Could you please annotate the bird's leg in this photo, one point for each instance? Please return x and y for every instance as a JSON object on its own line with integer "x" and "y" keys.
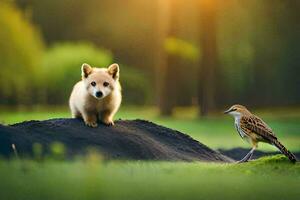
{"x": 248, "y": 156}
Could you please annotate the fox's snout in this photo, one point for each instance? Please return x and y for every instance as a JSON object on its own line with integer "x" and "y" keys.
{"x": 98, "y": 94}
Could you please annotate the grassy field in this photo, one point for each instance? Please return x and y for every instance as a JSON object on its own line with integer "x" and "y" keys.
{"x": 92, "y": 178}
{"x": 216, "y": 131}
{"x": 266, "y": 178}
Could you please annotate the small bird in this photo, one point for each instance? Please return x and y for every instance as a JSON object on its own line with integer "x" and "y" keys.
{"x": 255, "y": 130}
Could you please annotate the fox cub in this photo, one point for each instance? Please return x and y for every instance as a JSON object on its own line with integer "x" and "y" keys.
{"x": 97, "y": 96}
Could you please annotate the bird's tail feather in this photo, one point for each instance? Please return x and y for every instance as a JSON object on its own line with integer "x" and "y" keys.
{"x": 284, "y": 150}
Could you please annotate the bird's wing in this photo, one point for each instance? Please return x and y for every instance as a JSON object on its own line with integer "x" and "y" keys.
{"x": 255, "y": 124}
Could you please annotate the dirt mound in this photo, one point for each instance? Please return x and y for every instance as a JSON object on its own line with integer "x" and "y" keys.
{"x": 128, "y": 139}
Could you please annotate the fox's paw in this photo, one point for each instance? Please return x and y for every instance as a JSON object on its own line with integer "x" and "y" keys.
{"x": 91, "y": 124}
{"x": 109, "y": 122}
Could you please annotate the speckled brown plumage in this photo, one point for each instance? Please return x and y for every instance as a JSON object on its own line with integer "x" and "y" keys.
{"x": 252, "y": 127}
{"x": 255, "y": 127}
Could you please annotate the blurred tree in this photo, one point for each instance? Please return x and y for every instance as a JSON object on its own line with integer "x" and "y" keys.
{"x": 177, "y": 86}
{"x": 257, "y": 43}
{"x": 21, "y": 49}
{"x": 113, "y": 24}
{"x": 161, "y": 21}
{"x": 136, "y": 86}
{"x": 290, "y": 29}
{"x": 208, "y": 66}
{"x": 280, "y": 64}
{"x": 259, "y": 46}
{"x": 236, "y": 52}
{"x": 126, "y": 28}
{"x": 169, "y": 72}
{"x": 61, "y": 68}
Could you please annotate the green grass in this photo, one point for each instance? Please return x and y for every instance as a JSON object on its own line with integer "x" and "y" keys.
{"x": 266, "y": 178}
{"x": 91, "y": 178}
{"x": 216, "y": 131}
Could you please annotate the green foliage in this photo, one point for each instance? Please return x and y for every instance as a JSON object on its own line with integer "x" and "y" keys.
{"x": 21, "y": 49}
{"x": 135, "y": 86}
{"x": 61, "y": 68}
{"x": 258, "y": 52}
{"x": 181, "y": 48}
{"x": 257, "y": 40}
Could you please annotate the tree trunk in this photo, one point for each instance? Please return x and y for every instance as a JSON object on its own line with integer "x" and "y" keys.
{"x": 208, "y": 64}
{"x": 167, "y": 73}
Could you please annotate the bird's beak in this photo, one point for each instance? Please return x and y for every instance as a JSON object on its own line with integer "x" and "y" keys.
{"x": 227, "y": 111}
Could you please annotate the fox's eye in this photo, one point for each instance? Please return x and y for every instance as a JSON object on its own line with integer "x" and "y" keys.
{"x": 105, "y": 84}
{"x": 93, "y": 83}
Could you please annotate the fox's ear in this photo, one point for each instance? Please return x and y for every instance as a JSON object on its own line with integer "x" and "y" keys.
{"x": 114, "y": 70}
{"x": 86, "y": 70}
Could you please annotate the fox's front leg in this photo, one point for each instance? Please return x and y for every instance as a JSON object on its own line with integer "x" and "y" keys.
{"x": 107, "y": 117}
{"x": 90, "y": 119}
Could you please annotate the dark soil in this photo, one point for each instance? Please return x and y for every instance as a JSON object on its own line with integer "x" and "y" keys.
{"x": 239, "y": 153}
{"x": 128, "y": 139}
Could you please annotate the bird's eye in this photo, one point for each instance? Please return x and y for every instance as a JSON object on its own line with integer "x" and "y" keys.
{"x": 93, "y": 83}
{"x": 105, "y": 84}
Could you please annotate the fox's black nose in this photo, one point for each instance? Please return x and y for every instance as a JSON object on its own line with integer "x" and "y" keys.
{"x": 99, "y": 94}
